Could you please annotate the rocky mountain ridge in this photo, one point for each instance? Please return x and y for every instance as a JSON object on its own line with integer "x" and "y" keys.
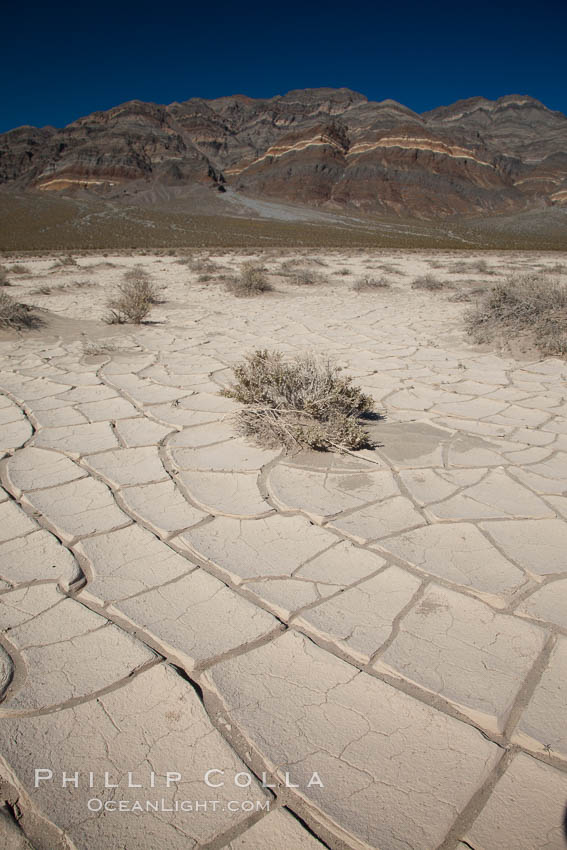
{"x": 330, "y": 148}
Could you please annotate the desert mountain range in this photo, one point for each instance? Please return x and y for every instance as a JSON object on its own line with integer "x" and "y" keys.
{"x": 329, "y": 148}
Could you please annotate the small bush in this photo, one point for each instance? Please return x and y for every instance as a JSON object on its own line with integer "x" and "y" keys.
{"x": 305, "y": 402}
{"x": 343, "y": 272}
{"x": 428, "y": 282}
{"x": 305, "y": 277}
{"x": 42, "y": 290}
{"x": 134, "y": 299}
{"x": 251, "y": 281}
{"x": 15, "y": 315}
{"x": 4, "y": 277}
{"x": 67, "y": 260}
{"x": 390, "y": 268}
{"x": 20, "y": 269}
{"x": 557, "y": 268}
{"x": 532, "y": 305}
{"x": 368, "y": 284}
{"x": 471, "y": 267}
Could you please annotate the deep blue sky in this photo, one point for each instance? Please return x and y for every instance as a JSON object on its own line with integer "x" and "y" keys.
{"x": 61, "y": 60}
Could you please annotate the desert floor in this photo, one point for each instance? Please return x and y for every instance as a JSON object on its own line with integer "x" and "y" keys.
{"x": 387, "y": 630}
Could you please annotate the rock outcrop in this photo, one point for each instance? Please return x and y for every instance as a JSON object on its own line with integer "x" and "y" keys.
{"x": 330, "y": 148}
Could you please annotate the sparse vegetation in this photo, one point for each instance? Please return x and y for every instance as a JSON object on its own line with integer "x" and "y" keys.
{"x": 63, "y": 287}
{"x": 95, "y": 348}
{"x": 16, "y": 315}
{"x": 67, "y": 260}
{"x": 251, "y": 281}
{"x": 533, "y": 306}
{"x": 472, "y": 267}
{"x": 429, "y": 282}
{"x": 143, "y": 282}
{"x": 389, "y": 268}
{"x": 134, "y": 299}
{"x": 4, "y": 277}
{"x": 18, "y": 268}
{"x": 303, "y": 402}
{"x": 343, "y": 272}
{"x": 368, "y": 284}
{"x": 306, "y": 277}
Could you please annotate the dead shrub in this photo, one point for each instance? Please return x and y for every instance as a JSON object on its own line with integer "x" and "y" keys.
{"x": 471, "y": 267}
{"x": 532, "y": 305}
{"x": 18, "y": 268}
{"x": 143, "y": 282}
{"x": 16, "y": 315}
{"x": 306, "y": 277}
{"x": 134, "y": 299}
{"x": 302, "y": 402}
{"x": 369, "y": 284}
{"x": 390, "y": 268}
{"x": 251, "y": 281}
{"x": 428, "y": 282}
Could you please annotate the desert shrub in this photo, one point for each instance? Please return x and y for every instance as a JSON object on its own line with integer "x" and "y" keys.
{"x": 16, "y": 315}
{"x": 370, "y": 283}
{"x": 42, "y": 290}
{"x": 389, "y": 268}
{"x": 143, "y": 284}
{"x": 306, "y": 277}
{"x": 80, "y": 284}
{"x": 302, "y": 402}
{"x": 471, "y": 267}
{"x": 4, "y": 277}
{"x": 252, "y": 280}
{"x": 133, "y": 300}
{"x": 18, "y": 268}
{"x": 532, "y": 305}
{"x": 429, "y": 282}
{"x": 343, "y": 272}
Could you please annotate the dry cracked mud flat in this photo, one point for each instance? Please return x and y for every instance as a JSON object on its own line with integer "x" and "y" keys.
{"x": 381, "y": 637}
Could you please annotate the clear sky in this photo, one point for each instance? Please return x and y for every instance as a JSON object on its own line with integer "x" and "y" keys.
{"x": 63, "y": 60}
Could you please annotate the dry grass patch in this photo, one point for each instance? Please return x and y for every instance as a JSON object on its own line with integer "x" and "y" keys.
{"x": 305, "y": 277}
{"x": 533, "y": 306}
{"x": 389, "y": 268}
{"x": 429, "y": 282}
{"x": 302, "y": 402}
{"x": 471, "y": 267}
{"x": 16, "y": 315}
{"x": 251, "y": 281}
{"x": 370, "y": 284}
{"x": 92, "y": 349}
